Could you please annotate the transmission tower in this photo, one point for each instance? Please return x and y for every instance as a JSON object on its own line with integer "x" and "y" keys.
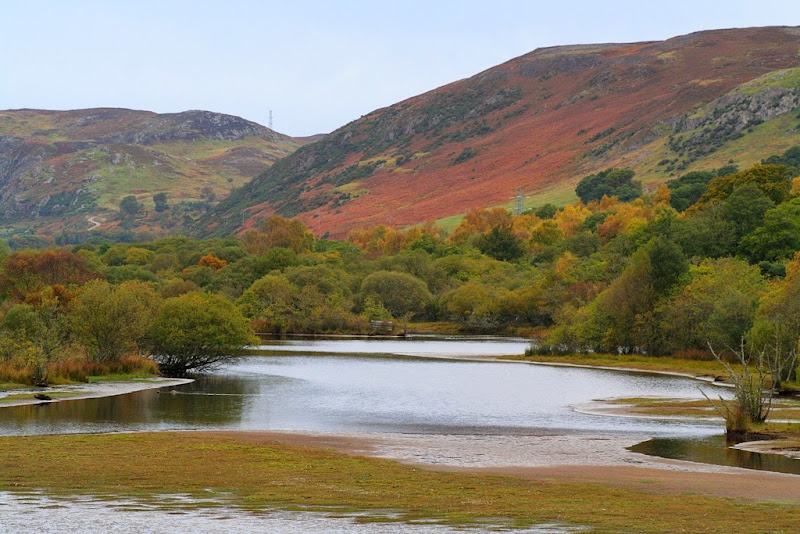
{"x": 518, "y": 207}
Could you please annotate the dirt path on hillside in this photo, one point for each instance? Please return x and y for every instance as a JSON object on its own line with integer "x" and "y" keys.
{"x": 91, "y": 220}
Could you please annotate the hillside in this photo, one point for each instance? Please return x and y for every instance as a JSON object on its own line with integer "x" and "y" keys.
{"x": 59, "y": 169}
{"x": 541, "y": 122}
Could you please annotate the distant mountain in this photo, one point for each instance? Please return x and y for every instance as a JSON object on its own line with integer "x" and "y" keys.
{"x": 58, "y": 169}
{"x": 541, "y": 122}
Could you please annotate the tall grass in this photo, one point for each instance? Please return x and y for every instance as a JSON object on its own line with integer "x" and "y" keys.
{"x": 76, "y": 369}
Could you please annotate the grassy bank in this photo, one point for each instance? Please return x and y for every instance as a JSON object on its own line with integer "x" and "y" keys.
{"x": 638, "y": 362}
{"x": 75, "y": 370}
{"x": 262, "y": 474}
{"x": 782, "y": 409}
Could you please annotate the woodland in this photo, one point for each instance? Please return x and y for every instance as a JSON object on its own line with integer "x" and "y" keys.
{"x": 706, "y": 262}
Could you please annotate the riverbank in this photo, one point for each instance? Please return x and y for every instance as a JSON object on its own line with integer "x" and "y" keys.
{"x": 93, "y": 390}
{"x": 266, "y": 470}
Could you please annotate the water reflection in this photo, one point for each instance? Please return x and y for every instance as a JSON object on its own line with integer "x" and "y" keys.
{"x": 358, "y": 393}
{"x": 716, "y": 450}
{"x": 213, "y": 400}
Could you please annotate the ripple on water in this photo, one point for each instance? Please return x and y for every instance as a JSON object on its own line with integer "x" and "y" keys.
{"x": 40, "y": 513}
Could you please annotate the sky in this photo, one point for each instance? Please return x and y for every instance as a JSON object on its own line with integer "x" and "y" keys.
{"x": 317, "y": 65}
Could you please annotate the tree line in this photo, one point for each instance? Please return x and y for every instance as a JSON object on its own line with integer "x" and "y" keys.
{"x": 704, "y": 259}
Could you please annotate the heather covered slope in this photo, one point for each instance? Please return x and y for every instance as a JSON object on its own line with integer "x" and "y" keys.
{"x": 540, "y": 122}
{"x": 58, "y": 168}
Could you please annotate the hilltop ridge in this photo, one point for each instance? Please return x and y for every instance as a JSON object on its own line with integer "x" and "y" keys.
{"x": 57, "y": 168}
{"x": 540, "y": 122}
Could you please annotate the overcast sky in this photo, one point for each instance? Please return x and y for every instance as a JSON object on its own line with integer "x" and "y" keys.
{"x": 317, "y": 65}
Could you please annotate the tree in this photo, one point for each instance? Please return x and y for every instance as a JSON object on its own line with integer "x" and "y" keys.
{"x": 717, "y": 306}
{"x": 547, "y": 211}
{"x": 130, "y": 207}
{"x": 160, "y": 201}
{"x": 778, "y": 237}
{"x": 27, "y": 273}
{"x": 39, "y": 333}
{"x": 209, "y": 260}
{"x": 774, "y": 180}
{"x": 278, "y": 231}
{"x": 400, "y": 293}
{"x": 112, "y": 320}
{"x": 745, "y": 209}
{"x": 198, "y": 331}
{"x": 688, "y": 189}
{"x": 610, "y": 182}
{"x": 777, "y": 320}
{"x": 501, "y": 244}
{"x": 271, "y": 298}
{"x": 623, "y": 317}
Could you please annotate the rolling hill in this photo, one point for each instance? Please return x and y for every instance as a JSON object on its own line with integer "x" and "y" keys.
{"x": 69, "y": 170}
{"x": 540, "y": 122}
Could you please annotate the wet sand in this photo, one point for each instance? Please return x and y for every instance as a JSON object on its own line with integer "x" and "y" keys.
{"x": 93, "y": 390}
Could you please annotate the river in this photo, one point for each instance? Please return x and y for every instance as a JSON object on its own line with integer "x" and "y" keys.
{"x": 341, "y": 386}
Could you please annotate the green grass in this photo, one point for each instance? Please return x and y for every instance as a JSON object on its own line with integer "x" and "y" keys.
{"x": 782, "y": 409}
{"x": 29, "y": 396}
{"x": 637, "y": 362}
{"x": 129, "y": 377}
{"x": 260, "y": 475}
{"x": 784, "y": 78}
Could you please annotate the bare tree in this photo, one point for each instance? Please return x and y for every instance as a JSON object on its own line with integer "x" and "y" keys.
{"x": 752, "y": 399}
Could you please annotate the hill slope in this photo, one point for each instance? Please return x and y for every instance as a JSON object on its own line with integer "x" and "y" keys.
{"x": 58, "y": 168}
{"x": 540, "y": 122}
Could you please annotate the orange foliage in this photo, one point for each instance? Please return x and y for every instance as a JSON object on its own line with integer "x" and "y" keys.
{"x": 387, "y": 240}
{"x": 209, "y": 260}
{"x": 479, "y": 221}
{"x": 29, "y": 272}
{"x": 278, "y": 231}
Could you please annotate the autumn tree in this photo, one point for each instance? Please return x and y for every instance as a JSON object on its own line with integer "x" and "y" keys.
{"x": 774, "y": 180}
{"x": 113, "y": 320}
{"x": 479, "y": 221}
{"x": 27, "y": 273}
{"x": 213, "y": 262}
{"x": 278, "y": 231}
{"x": 38, "y": 332}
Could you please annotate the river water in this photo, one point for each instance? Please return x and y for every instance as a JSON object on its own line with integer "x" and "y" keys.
{"x": 340, "y": 386}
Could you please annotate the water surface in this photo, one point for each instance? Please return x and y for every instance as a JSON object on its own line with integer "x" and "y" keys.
{"x": 353, "y": 392}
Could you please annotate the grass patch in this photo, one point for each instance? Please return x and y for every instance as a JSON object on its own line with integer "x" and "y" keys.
{"x": 637, "y": 362}
{"x": 782, "y": 409}
{"x": 123, "y": 377}
{"x": 263, "y": 474}
{"x": 29, "y": 396}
